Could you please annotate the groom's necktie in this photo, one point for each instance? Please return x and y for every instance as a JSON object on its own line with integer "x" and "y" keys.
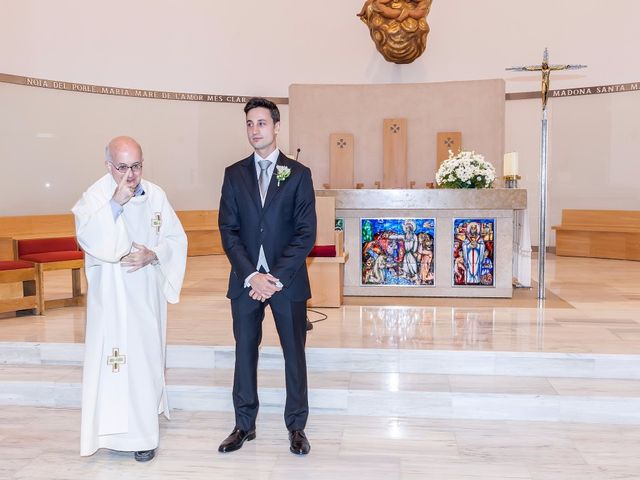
{"x": 263, "y": 179}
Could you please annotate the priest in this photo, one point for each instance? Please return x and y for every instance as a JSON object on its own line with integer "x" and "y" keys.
{"x": 135, "y": 255}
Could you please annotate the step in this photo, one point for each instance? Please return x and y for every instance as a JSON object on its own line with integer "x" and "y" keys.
{"x": 437, "y": 362}
{"x": 364, "y": 394}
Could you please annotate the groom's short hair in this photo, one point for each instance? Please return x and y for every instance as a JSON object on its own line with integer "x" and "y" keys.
{"x": 260, "y": 102}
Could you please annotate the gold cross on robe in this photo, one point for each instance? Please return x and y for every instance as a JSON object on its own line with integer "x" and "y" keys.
{"x": 156, "y": 221}
{"x": 116, "y": 359}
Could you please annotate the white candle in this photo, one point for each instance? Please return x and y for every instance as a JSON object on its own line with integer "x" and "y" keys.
{"x": 510, "y": 164}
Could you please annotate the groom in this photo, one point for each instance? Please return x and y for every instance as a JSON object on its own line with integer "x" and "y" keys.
{"x": 267, "y": 222}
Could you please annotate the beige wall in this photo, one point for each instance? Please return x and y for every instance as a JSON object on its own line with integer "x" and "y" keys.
{"x": 593, "y": 153}
{"x": 257, "y": 47}
{"x": 475, "y": 108}
{"x": 52, "y": 146}
{"x": 261, "y": 47}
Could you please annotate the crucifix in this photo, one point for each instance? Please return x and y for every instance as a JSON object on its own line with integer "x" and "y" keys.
{"x": 116, "y": 359}
{"x": 546, "y": 70}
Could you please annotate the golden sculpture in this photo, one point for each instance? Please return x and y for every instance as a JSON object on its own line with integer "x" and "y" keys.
{"x": 399, "y": 28}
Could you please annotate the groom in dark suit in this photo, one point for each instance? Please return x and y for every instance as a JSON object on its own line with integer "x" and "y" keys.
{"x": 267, "y": 222}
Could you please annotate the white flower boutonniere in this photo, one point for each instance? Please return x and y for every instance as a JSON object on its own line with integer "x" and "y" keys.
{"x": 282, "y": 173}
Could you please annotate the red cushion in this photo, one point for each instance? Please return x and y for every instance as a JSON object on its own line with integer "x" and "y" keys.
{"x": 14, "y": 264}
{"x": 323, "y": 251}
{"x": 53, "y": 256}
{"x": 43, "y": 245}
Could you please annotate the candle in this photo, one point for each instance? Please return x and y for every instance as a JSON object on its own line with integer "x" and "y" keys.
{"x": 510, "y": 164}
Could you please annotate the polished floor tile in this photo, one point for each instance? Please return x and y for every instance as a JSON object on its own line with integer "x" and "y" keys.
{"x": 551, "y": 368}
{"x": 582, "y": 314}
{"x": 43, "y": 444}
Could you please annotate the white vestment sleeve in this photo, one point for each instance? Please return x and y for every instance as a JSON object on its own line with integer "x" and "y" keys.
{"x": 98, "y": 234}
{"x": 171, "y": 251}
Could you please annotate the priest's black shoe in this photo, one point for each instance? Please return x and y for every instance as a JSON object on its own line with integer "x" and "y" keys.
{"x": 235, "y": 440}
{"x": 144, "y": 455}
{"x": 299, "y": 443}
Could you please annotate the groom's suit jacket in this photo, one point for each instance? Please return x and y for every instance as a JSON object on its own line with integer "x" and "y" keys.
{"x": 285, "y": 226}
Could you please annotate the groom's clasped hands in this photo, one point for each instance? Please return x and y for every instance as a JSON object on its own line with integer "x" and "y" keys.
{"x": 264, "y": 286}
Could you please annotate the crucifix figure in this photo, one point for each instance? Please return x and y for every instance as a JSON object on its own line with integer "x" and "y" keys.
{"x": 116, "y": 359}
{"x": 546, "y": 70}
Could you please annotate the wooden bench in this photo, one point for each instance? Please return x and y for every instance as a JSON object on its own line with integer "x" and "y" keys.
{"x": 201, "y": 227}
{"x": 599, "y": 234}
{"x": 32, "y": 226}
{"x": 28, "y": 296}
{"x": 49, "y": 254}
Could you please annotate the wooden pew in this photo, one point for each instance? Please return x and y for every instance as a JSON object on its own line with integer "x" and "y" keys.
{"x": 201, "y": 227}
{"x": 599, "y": 233}
{"x": 50, "y": 254}
{"x": 27, "y": 296}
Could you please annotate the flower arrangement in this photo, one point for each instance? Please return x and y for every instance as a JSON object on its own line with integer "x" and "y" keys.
{"x": 282, "y": 173}
{"x": 465, "y": 170}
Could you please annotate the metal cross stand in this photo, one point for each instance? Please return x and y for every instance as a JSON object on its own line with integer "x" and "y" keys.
{"x": 546, "y": 70}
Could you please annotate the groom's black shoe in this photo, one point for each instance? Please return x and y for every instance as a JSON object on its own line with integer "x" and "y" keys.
{"x": 235, "y": 440}
{"x": 144, "y": 455}
{"x": 299, "y": 443}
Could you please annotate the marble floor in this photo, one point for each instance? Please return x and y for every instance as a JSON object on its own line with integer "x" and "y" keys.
{"x": 411, "y": 388}
{"x": 39, "y": 444}
{"x": 592, "y": 306}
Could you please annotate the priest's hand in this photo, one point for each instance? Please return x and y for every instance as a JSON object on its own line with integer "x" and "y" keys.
{"x": 124, "y": 190}
{"x": 138, "y": 259}
{"x": 263, "y": 286}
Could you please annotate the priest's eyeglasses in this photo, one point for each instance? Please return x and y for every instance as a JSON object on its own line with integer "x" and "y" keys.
{"x": 122, "y": 168}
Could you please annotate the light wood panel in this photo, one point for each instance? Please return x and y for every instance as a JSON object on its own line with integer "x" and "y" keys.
{"x": 599, "y": 233}
{"x": 447, "y": 141}
{"x": 476, "y": 108}
{"x": 326, "y": 220}
{"x": 198, "y": 218}
{"x": 6, "y": 248}
{"x": 201, "y": 227}
{"x": 395, "y": 153}
{"x": 583, "y": 243}
{"x": 34, "y": 226}
{"x": 19, "y": 290}
{"x": 341, "y": 160}
{"x": 77, "y": 298}
{"x": 620, "y": 219}
{"x": 326, "y": 276}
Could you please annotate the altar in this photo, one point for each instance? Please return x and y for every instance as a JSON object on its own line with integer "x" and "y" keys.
{"x": 428, "y": 242}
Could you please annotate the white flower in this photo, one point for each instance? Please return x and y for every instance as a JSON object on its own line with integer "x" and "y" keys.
{"x": 467, "y": 170}
{"x": 282, "y": 173}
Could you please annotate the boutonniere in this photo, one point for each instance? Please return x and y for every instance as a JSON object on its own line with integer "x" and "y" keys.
{"x": 282, "y": 173}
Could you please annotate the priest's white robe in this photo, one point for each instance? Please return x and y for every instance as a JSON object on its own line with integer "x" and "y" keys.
{"x": 127, "y": 312}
